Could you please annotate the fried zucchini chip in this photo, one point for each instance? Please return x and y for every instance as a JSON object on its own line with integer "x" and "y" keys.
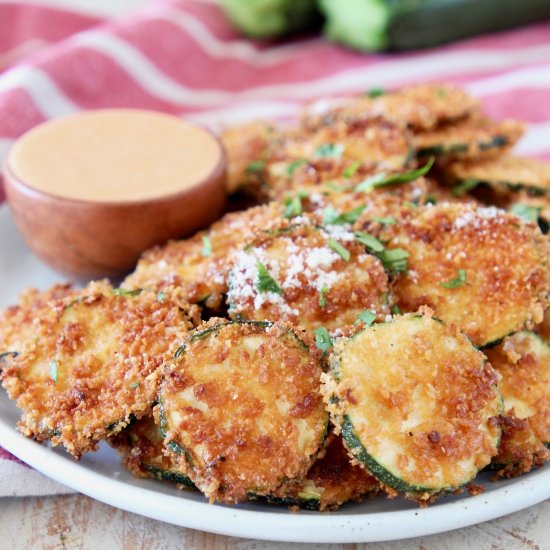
{"x": 246, "y": 146}
{"x": 332, "y": 481}
{"x": 18, "y": 323}
{"x": 512, "y": 173}
{"x": 523, "y": 361}
{"x": 142, "y": 446}
{"x": 420, "y": 107}
{"x": 94, "y": 364}
{"x": 479, "y": 268}
{"x": 241, "y": 404}
{"x": 309, "y": 276}
{"x": 472, "y": 138}
{"x": 199, "y": 265}
{"x": 416, "y": 404}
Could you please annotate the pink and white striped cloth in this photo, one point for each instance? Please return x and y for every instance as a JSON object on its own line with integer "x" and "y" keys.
{"x": 183, "y": 57}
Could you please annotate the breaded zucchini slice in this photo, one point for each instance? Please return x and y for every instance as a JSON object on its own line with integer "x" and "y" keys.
{"x": 332, "y": 481}
{"x": 479, "y": 268}
{"x": 241, "y": 403}
{"x": 309, "y": 276}
{"x": 512, "y": 173}
{"x": 471, "y": 138}
{"x": 416, "y": 404}
{"x": 142, "y": 446}
{"x": 523, "y": 361}
{"x": 18, "y": 323}
{"x": 94, "y": 364}
{"x": 423, "y": 106}
{"x": 246, "y": 146}
{"x": 199, "y": 265}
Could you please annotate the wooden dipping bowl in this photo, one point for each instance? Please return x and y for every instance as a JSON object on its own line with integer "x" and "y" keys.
{"x": 92, "y": 191}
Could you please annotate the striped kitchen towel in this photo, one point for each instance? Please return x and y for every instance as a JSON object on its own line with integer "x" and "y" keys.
{"x": 182, "y": 57}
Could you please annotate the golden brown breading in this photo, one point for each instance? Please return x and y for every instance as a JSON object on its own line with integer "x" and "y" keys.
{"x": 18, "y": 322}
{"x": 308, "y": 276}
{"x": 543, "y": 329}
{"x": 332, "y": 481}
{"x": 199, "y": 265}
{"x": 144, "y": 453}
{"x": 93, "y": 364}
{"x": 523, "y": 361}
{"x": 480, "y": 268}
{"x": 242, "y": 402}
{"x": 472, "y": 138}
{"x": 245, "y": 145}
{"x": 416, "y": 403}
{"x": 422, "y": 106}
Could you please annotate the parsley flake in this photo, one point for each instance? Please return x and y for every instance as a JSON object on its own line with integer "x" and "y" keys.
{"x": 385, "y": 221}
{"x": 394, "y": 260}
{"x": 124, "y": 292}
{"x": 266, "y": 283}
{"x": 161, "y": 296}
{"x": 350, "y": 170}
{"x": 329, "y": 150}
{"x": 339, "y": 249}
{"x": 134, "y": 385}
{"x": 368, "y": 317}
{"x": 53, "y": 370}
{"x": 369, "y": 241}
{"x": 255, "y": 166}
{"x": 206, "y": 249}
{"x": 332, "y": 217}
{"x": 529, "y": 213}
{"x": 322, "y": 339}
{"x": 458, "y": 281}
{"x": 294, "y": 205}
{"x": 294, "y": 165}
{"x": 396, "y": 310}
{"x": 464, "y": 187}
{"x": 323, "y": 296}
{"x": 382, "y": 179}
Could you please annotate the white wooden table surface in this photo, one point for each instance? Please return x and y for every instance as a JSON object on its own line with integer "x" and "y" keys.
{"x": 78, "y": 522}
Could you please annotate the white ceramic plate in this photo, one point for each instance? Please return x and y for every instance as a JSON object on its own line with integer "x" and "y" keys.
{"x": 101, "y": 476}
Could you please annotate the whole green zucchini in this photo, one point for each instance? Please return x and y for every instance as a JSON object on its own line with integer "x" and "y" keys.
{"x": 376, "y": 25}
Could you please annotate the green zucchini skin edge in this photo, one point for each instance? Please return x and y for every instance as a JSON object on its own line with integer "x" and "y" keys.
{"x": 166, "y": 475}
{"x": 312, "y": 504}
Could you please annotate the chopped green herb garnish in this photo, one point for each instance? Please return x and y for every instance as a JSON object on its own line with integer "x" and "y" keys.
{"x": 394, "y": 260}
{"x": 368, "y": 317}
{"x": 206, "y": 249}
{"x": 134, "y": 385}
{"x": 458, "y": 281}
{"x": 375, "y": 92}
{"x": 369, "y": 241}
{"x": 385, "y": 221}
{"x": 291, "y": 168}
{"x": 53, "y": 370}
{"x": 339, "y": 249}
{"x": 410, "y": 204}
{"x": 160, "y": 296}
{"x": 294, "y": 205}
{"x": 329, "y": 150}
{"x": 323, "y": 296}
{"x": 464, "y": 187}
{"x": 323, "y": 339}
{"x": 350, "y": 170}
{"x": 529, "y": 213}
{"x": 331, "y": 216}
{"x": 396, "y": 310}
{"x": 266, "y": 283}
{"x": 124, "y": 292}
{"x": 382, "y": 179}
{"x": 335, "y": 187}
{"x": 441, "y": 92}
{"x": 179, "y": 352}
{"x": 255, "y": 167}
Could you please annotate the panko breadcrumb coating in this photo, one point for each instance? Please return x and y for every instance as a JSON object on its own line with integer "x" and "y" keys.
{"x": 93, "y": 364}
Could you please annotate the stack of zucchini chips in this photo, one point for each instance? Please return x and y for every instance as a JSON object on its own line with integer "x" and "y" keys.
{"x": 373, "y": 321}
